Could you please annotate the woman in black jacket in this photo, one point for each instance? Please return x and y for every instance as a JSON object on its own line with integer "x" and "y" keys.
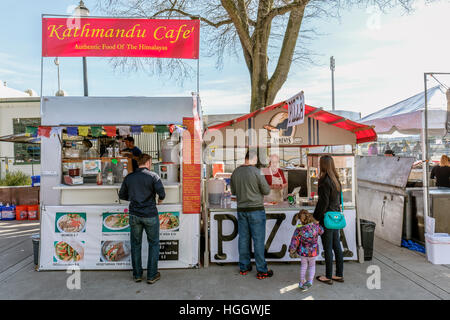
{"x": 442, "y": 173}
{"x": 329, "y": 200}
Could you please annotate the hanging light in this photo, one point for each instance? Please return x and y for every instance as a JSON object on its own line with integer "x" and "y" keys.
{"x": 81, "y": 10}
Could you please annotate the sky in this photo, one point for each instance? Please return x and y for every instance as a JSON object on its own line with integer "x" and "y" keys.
{"x": 380, "y": 60}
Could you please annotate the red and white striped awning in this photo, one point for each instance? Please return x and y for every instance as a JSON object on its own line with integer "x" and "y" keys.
{"x": 364, "y": 133}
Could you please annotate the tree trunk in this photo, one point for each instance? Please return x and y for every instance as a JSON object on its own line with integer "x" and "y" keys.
{"x": 258, "y": 99}
{"x": 264, "y": 90}
{"x": 259, "y": 74}
{"x": 281, "y": 72}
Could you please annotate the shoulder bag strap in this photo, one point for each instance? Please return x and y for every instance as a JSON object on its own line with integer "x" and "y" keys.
{"x": 342, "y": 202}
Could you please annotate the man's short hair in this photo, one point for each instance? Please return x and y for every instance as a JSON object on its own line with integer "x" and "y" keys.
{"x": 389, "y": 152}
{"x": 143, "y": 158}
{"x": 251, "y": 153}
{"x": 131, "y": 139}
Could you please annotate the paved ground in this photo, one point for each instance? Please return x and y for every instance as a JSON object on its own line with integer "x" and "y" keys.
{"x": 404, "y": 275}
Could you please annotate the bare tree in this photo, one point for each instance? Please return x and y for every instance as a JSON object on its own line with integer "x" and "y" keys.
{"x": 262, "y": 29}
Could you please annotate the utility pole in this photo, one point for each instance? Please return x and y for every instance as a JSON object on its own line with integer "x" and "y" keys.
{"x": 59, "y": 92}
{"x": 332, "y": 68}
{"x": 59, "y": 80}
{"x": 82, "y": 11}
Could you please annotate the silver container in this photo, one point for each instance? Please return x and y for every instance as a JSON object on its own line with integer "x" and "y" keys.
{"x": 170, "y": 151}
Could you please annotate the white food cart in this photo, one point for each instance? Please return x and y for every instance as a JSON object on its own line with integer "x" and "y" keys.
{"x": 82, "y": 221}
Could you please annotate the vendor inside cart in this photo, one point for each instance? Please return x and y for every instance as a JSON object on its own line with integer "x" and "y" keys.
{"x": 275, "y": 178}
{"x": 92, "y": 160}
{"x": 131, "y": 151}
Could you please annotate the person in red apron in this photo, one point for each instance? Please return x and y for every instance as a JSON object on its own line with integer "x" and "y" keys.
{"x": 276, "y": 180}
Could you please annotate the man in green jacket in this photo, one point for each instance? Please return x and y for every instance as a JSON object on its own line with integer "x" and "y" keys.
{"x": 250, "y": 187}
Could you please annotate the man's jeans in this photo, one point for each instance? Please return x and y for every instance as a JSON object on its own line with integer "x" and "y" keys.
{"x": 151, "y": 226}
{"x": 252, "y": 224}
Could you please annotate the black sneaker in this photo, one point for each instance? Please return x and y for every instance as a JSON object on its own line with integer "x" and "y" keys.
{"x": 154, "y": 279}
{"x": 245, "y": 272}
{"x": 137, "y": 279}
{"x": 264, "y": 275}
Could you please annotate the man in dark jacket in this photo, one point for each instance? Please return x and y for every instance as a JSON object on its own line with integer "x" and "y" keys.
{"x": 250, "y": 186}
{"x": 140, "y": 189}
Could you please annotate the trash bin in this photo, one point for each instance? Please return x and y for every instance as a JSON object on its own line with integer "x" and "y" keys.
{"x": 367, "y": 236}
{"x": 36, "y": 239}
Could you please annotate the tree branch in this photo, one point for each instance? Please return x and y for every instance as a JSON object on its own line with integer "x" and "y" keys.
{"x": 212, "y": 24}
{"x": 285, "y": 9}
{"x": 287, "y": 52}
{"x": 265, "y": 6}
{"x": 240, "y": 25}
{"x": 242, "y": 9}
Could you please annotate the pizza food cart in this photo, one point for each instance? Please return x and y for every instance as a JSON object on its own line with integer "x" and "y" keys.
{"x": 299, "y": 148}
{"x": 84, "y": 223}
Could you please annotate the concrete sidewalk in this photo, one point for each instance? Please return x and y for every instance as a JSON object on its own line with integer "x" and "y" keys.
{"x": 404, "y": 275}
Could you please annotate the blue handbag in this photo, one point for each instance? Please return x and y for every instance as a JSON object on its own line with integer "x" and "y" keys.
{"x": 335, "y": 219}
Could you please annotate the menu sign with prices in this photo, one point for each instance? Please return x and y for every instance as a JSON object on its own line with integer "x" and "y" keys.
{"x": 192, "y": 170}
{"x": 168, "y": 250}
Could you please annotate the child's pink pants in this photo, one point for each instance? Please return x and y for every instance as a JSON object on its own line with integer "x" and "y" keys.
{"x": 307, "y": 264}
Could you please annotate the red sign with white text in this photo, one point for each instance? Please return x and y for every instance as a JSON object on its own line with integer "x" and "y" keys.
{"x": 107, "y": 37}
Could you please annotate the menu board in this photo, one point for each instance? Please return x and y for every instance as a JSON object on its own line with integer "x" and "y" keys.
{"x": 98, "y": 237}
{"x": 168, "y": 250}
{"x": 192, "y": 168}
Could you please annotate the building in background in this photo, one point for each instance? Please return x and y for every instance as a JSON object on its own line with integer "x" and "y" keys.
{"x": 18, "y": 109}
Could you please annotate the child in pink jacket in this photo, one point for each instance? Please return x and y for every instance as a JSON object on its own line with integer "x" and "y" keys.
{"x": 304, "y": 243}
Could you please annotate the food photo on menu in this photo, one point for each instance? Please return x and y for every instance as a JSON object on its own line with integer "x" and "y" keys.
{"x": 116, "y": 222}
{"x": 70, "y": 222}
{"x": 169, "y": 221}
{"x": 115, "y": 251}
{"x": 91, "y": 167}
{"x": 70, "y": 251}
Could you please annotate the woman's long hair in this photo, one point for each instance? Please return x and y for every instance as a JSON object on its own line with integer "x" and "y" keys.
{"x": 327, "y": 168}
{"x": 444, "y": 161}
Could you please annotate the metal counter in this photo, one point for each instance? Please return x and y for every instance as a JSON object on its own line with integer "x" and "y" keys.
{"x": 276, "y": 207}
{"x": 282, "y": 206}
{"x": 440, "y": 209}
{"x": 93, "y": 194}
{"x": 413, "y": 227}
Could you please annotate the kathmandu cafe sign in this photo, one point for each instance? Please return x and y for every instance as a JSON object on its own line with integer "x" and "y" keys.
{"x": 107, "y": 37}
